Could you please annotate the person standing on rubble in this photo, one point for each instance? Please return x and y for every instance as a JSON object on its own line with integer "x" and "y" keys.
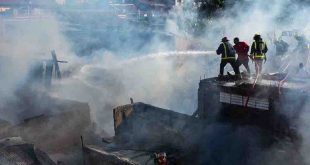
{"x": 258, "y": 53}
{"x": 228, "y": 56}
{"x": 242, "y": 50}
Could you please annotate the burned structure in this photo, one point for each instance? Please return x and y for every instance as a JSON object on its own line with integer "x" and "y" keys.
{"x": 51, "y": 123}
{"x": 235, "y": 113}
{"x": 273, "y": 104}
{"x": 260, "y": 102}
{"x": 16, "y": 151}
{"x": 42, "y": 71}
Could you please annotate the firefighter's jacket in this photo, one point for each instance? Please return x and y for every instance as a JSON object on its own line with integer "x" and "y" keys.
{"x": 259, "y": 50}
{"x": 226, "y": 50}
{"x": 242, "y": 50}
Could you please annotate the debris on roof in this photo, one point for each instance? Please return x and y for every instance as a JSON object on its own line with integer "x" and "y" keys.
{"x": 14, "y": 150}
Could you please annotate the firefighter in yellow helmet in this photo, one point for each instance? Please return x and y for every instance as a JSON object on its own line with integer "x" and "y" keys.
{"x": 258, "y": 53}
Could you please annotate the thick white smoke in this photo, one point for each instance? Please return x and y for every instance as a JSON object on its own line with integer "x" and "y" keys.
{"x": 167, "y": 81}
{"x": 25, "y": 42}
{"x": 163, "y": 77}
{"x": 106, "y": 79}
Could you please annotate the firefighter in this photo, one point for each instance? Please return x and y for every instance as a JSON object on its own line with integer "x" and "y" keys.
{"x": 242, "y": 50}
{"x": 258, "y": 53}
{"x": 228, "y": 56}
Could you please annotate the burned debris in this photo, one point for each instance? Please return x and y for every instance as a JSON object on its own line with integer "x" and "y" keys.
{"x": 16, "y": 151}
{"x": 263, "y": 112}
{"x": 239, "y": 119}
{"x": 238, "y": 113}
{"x": 53, "y": 124}
{"x": 94, "y": 155}
{"x": 271, "y": 103}
{"x": 43, "y": 71}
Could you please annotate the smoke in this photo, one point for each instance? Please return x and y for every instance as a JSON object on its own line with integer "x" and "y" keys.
{"x": 166, "y": 81}
{"x": 25, "y": 43}
{"x": 172, "y": 82}
{"x": 246, "y": 18}
{"x": 111, "y": 61}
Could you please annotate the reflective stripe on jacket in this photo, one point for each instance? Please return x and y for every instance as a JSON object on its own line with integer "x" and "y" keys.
{"x": 226, "y": 50}
{"x": 259, "y": 49}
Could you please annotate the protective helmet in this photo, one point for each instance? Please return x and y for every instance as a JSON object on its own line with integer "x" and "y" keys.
{"x": 257, "y": 37}
{"x": 224, "y": 39}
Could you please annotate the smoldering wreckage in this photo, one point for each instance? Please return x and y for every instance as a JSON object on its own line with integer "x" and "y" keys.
{"x": 232, "y": 115}
{"x": 237, "y": 121}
